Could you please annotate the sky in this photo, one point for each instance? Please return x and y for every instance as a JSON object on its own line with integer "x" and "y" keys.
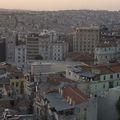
{"x": 60, "y": 4}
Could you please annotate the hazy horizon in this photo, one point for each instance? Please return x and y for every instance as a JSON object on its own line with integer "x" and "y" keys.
{"x": 54, "y": 5}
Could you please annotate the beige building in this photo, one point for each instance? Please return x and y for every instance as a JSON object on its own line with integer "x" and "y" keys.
{"x": 85, "y": 39}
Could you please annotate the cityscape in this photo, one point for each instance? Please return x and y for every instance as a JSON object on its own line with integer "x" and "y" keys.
{"x": 59, "y": 64}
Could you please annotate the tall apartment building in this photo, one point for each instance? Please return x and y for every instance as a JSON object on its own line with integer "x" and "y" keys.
{"x": 10, "y": 46}
{"x": 32, "y": 46}
{"x": 85, "y": 39}
{"x": 20, "y": 54}
{"x": 2, "y": 49}
{"x": 46, "y": 45}
{"x": 51, "y": 47}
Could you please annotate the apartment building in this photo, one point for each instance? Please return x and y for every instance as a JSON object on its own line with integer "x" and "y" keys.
{"x": 44, "y": 46}
{"x": 32, "y": 46}
{"x": 106, "y": 52}
{"x": 59, "y": 51}
{"x": 2, "y": 49}
{"x": 10, "y": 46}
{"x": 97, "y": 79}
{"x": 67, "y": 103}
{"x": 85, "y": 39}
{"x": 20, "y": 54}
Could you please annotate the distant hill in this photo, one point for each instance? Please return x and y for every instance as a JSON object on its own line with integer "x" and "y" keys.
{"x": 64, "y": 20}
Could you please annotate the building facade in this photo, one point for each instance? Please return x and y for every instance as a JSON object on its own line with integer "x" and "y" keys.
{"x": 85, "y": 39}
{"x": 10, "y": 46}
{"x": 20, "y": 54}
{"x": 107, "y": 52}
{"x": 2, "y": 49}
{"x": 59, "y": 51}
{"x": 63, "y": 104}
{"x": 95, "y": 80}
{"x": 32, "y": 49}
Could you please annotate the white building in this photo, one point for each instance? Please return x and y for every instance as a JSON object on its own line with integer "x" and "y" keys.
{"x": 46, "y": 46}
{"x": 95, "y": 80}
{"x": 59, "y": 51}
{"x": 20, "y": 54}
{"x": 50, "y": 48}
{"x": 106, "y": 52}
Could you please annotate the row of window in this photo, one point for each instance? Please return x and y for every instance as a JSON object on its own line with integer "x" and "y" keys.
{"x": 111, "y": 85}
{"x": 16, "y": 84}
{"x": 111, "y": 76}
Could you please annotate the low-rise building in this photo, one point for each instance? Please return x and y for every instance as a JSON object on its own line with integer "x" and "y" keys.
{"x": 107, "y": 52}
{"x": 66, "y": 103}
{"x": 17, "y": 82}
{"x": 95, "y": 80}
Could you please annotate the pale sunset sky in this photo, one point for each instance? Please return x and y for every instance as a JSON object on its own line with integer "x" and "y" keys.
{"x": 60, "y": 4}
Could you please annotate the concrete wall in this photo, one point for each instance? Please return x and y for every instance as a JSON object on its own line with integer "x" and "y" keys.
{"x": 106, "y": 105}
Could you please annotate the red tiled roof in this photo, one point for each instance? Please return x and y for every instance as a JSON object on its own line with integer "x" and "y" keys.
{"x": 75, "y": 94}
{"x": 108, "y": 68}
{"x": 81, "y": 56}
{"x": 116, "y": 68}
{"x": 57, "y": 79}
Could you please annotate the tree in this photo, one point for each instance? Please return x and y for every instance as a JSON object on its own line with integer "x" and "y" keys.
{"x": 118, "y": 107}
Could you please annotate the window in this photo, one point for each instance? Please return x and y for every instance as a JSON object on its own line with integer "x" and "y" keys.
{"x": 78, "y": 110}
{"x": 117, "y": 84}
{"x": 117, "y": 75}
{"x": 111, "y": 76}
{"x": 37, "y": 110}
{"x": 22, "y": 84}
{"x": 104, "y": 77}
{"x": 111, "y": 85}
{"x": 16, "y": 84}
{"x": 103, "y": 85}
{"x": 12, "y": 83}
